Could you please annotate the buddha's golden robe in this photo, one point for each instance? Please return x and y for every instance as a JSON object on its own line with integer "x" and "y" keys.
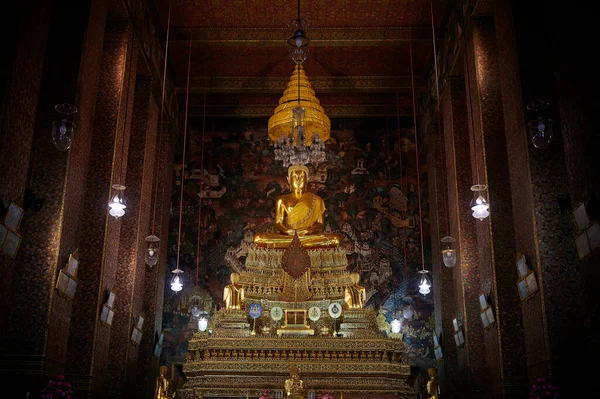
{"x": 302, "y": 217}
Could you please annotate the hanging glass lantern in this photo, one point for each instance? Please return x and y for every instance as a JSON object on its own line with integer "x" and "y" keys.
{"x": 117, "y": 203}
{"x": 407, "y": 312}
{"x": 203, "y": 318}
{"x": 539, "y": 128}
{"x": 424, "y": 284}
{"x": 176, "y": 281}
{"x": 195, "y": 304}
{"x": 151, "y": 254}
{"x": 396, "y": 326}
{"x": 479, "y": 205}
{"x": 62, "y": 129}
{"x": 448, "y": 253}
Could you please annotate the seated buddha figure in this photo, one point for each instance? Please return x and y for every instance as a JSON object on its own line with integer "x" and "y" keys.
{"x": 299, "y": 212}
{"x": 355, "y": 295}
{"x": 294, "y": 386}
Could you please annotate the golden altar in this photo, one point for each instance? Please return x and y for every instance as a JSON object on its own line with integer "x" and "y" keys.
{"x": 307, "y": 313}
{"x": 228, "y": 360}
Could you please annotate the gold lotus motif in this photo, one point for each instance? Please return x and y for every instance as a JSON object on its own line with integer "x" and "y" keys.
{"x": 315, "y": 120}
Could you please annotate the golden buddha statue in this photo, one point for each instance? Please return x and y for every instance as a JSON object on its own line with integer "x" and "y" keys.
{"x": 433, "y": 387}
{"x": 355, "y": 295}
{"x": 233, "y": 295}
{"x": 301, "y": 213}
{"x": 163, "y": 385}
{"x": 294, "y": 386}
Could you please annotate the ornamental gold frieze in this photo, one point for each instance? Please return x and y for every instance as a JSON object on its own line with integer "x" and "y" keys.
{"x": 284, "y": 342}
{"x": 389, "y": 385}
{"x": 241, "y": 392}
{"x": 220, "y": 355}
{"x": 276, "y": 366}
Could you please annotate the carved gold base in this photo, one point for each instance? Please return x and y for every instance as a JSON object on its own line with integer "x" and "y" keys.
{"x": 222, "y": 366}
{"x": 358, "y": 323}
{"x": 232, "y": 320}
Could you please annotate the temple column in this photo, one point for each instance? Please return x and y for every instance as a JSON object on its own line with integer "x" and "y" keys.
{"x": 539, "y": 188}
{"x": 154, "y": 279}
{"x": 37, "y": 318}
{"x": 123, "y": 352}
{"x": 99, "y": 244}
{"x": 25, "y": 37}
{"x": 504, "y": 341}
{"x": 443, "y": 284}
{"x": 472, "y": 381}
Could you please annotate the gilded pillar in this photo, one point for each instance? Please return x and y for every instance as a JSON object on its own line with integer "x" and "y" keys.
{"x": 443, "y": 285}
{"x": 128, "y": 287}
{"x": 472, "y": 378}
{"x": 504, "y": 341}
{"x": 37, "y": 331}
{"x": 154, "y": 279}
{"x": 100, "y": 232}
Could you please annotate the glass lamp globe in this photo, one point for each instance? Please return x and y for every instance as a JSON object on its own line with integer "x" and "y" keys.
{"x": 203, "y": 319}
{"x": 176, "y": 282}
{"x": 195, "y": 305}
{"x": 396, "y": 326}
{"x": 479, "y": 205}
{"x": 539, "y": 128}
{"x": 424, "y": 285}
{"x": 151, "y": 255}
{"x": 448, "y": 253}
{"x": 407, "y": 312}
{"x": 62, "y": 129}
{"x": 117, "y": 203}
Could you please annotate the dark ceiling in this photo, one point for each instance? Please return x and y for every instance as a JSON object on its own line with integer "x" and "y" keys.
{"x": 359, "y": 54}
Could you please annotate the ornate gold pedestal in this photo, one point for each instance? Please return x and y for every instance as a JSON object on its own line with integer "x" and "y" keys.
{"x": 232, "y": 320}
{"x": 231, "y": 362}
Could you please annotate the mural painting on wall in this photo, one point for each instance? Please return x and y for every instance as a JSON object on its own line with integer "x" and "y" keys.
{"x": 361, "y": 187}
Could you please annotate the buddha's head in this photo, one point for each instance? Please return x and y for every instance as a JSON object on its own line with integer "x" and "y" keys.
{"x": 163, "y": 371}
{"x": 355, "y": 277}
{"x": 234, "y": 277}
{"x": 431, "y": 372}
{"x": 297, "y": 177}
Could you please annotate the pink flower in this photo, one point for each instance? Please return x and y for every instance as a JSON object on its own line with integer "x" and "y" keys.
{"x": 61, "y": 377}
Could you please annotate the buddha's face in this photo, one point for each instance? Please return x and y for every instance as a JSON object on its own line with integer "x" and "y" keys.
{"x": 234, "y": 277}
{"x": 297, "y": 180}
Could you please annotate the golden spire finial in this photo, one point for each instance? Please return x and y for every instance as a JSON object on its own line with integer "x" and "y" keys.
{"x": 315, "y": 120}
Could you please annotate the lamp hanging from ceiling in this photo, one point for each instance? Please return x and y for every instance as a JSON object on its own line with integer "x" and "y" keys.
{"x": 63, "y": 128}
{"x": 176, "y": 282}
{"x": 117, "y": 202}
{"x": 479, "y": 204}
{"x": 299, "y": 39}
{"x": 299, "y": 127}
{"x": 153, "y": 249}
{"x": 539, "y": 127}
{"x": 201, "y": 314}
{"x": 448, "y": 251}
{"x": 424, "y": 284}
